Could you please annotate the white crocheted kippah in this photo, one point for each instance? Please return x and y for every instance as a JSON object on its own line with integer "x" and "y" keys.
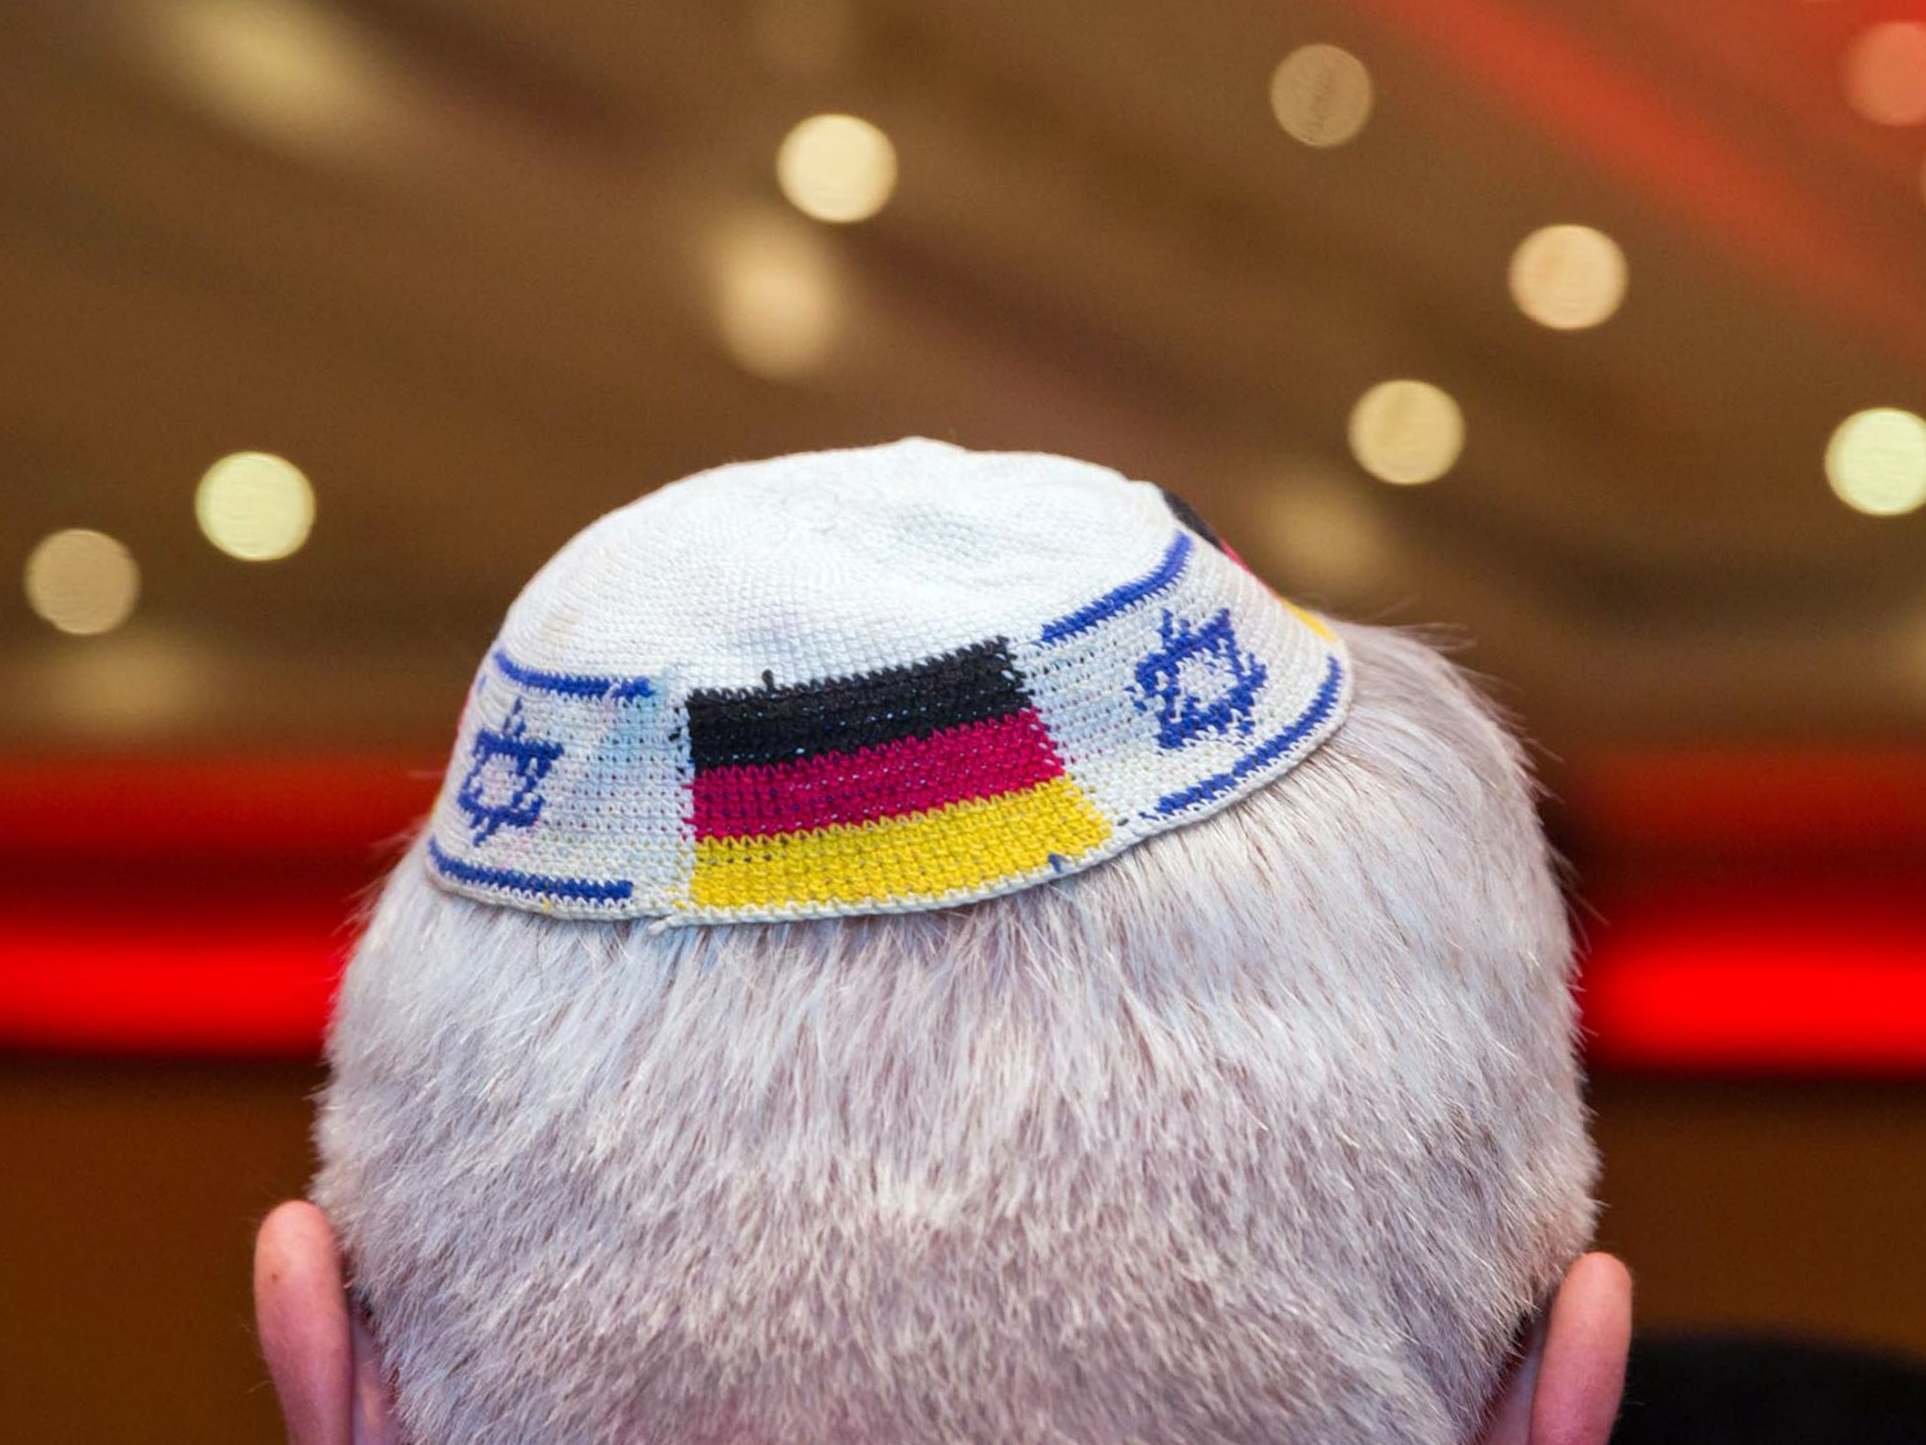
{"x": 867, "y": 681}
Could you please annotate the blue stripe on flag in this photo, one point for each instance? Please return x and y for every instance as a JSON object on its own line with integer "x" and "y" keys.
{"x": 571, "y": 684}
{"x": 1111, "y": 603}
{"x": 587, "y": 890}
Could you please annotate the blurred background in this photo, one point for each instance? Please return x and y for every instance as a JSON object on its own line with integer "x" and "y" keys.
{"x": 1594, "y": 333}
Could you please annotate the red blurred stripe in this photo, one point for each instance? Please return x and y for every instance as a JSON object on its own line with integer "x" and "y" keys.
{"x": 188, "y": 905}
{"x": 1783, "y": 799}
{"x": 205, "y": 907}
{"x": 1764, "y": 979}
{"x": 305, "y": 807}
{"x": 80, "y": 986}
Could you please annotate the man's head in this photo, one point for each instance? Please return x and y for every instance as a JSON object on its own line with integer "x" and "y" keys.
{"x": 1261, "y": 1125}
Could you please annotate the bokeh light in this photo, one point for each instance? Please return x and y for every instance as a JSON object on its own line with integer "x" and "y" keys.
{"x": 778, "y": 297}
{"x": 836, "y": 168}
{"x": 1326, "y": 540}
{"x": 1321, "y": 95}
{"x": 143, "y": 683}
{"x": 1568, "y": 277}
{"x": 1876, "y": 461}
{"x": 294, "y": 71}
{"x": 1406, "y": 432}
{"x": 82, "y": 581}
{"x": 1885, "y": 73}
{"x": 255, "y": 506}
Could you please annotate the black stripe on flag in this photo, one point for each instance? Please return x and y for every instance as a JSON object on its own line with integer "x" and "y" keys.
{"x": 735, "y": 727}
{"x": 1191, "y": 518}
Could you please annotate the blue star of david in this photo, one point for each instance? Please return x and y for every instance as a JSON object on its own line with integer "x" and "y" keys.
{"x": 1200, "y": 681}
{"x": 503, "y": 785}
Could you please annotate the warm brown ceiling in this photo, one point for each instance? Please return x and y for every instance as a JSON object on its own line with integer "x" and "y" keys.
{"x": 478, "y": 311}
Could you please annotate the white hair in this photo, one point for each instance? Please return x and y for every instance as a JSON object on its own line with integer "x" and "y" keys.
{"x": 1267, "y": 1130}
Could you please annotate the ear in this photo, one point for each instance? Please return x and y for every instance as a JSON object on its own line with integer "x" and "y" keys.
{"x": 326, "y": 1368}
{"x": 1565, "y": 1391}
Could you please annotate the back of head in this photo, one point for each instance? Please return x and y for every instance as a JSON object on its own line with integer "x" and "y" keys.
{"x": 1266, "y": 1128}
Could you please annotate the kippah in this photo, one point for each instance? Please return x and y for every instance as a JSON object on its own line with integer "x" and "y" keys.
{"x": 870, "y": 681}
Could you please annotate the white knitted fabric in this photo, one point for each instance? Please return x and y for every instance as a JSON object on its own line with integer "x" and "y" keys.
{"x": 863, "y": 681}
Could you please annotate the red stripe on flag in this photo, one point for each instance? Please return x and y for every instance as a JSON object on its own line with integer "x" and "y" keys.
{"x": 912, "y": 775}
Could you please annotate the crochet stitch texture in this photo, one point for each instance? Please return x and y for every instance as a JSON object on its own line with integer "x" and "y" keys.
{"x": 864, "y": 681}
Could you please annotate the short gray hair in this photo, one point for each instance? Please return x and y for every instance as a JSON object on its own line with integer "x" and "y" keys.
{"x": 1268, "y": 1130}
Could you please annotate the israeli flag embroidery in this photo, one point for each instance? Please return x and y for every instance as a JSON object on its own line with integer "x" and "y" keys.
{"x": 1198, "y": 680}
{"x": 545, "y": 807}
{"x": 1187, "y": 684}
{"x": 502, "y": 787}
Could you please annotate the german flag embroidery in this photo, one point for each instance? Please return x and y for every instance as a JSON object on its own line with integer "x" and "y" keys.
{"x": 907, "y": 783}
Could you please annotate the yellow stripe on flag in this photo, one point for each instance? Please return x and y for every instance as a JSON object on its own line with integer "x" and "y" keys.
{"x": 958, "y": 848}
{"x": 1309, "y": 618}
